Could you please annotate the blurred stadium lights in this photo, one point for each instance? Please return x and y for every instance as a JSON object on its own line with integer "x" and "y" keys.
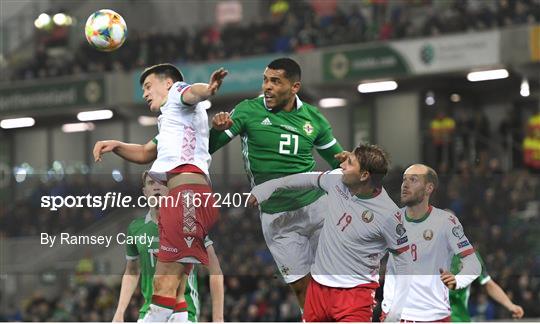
{"x": 78, "y": 127}
{"x": 206, "y": 104}
{"x": 378, "y": 86}
{"x": 332, "y": 102}
{"x": 454, "y": 97}
{"x": 430, "y": 98}
{"x": 17, "y": 122}
{"x": 487, "y": 75}
{"x": 524, "y": 90}
{"x": 95, "y": 115}
{"x": 20, "y": 174}
{"x": 43, "y": 21}
{"x": 61, "y": 19}
{"x": 147, "y": 120}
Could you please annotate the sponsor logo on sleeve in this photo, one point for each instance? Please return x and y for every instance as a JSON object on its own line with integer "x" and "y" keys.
{"x": 463, "y": 244}
{"x": 182, "y": 86}
{"x": 402, "y": 240}
{"x": 458, "y": 231}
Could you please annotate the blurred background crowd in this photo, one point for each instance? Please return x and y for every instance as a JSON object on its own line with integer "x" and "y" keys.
{"x": 288, "y": 27}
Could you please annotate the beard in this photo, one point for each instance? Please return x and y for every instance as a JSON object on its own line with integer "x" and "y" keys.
{"x": 414, "y": 200}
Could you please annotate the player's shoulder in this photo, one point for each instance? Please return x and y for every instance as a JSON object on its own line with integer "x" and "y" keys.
{"x": 386, "y": 207}
{"x": 250, "y": 104}
{"x": 445, "y": 216}
{"x": 312, "y": 110}
{"x": 136, "y": 223}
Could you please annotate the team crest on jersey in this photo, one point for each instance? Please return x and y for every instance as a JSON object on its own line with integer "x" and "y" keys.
{"x": 400, "y": 229}
{"x": 458, "y": 231}
{"x": 308, "y": 128}
{"x": 367, "y": 216}
{"x": 428, "y": 235}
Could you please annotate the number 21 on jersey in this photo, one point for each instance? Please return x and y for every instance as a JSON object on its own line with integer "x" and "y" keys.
{"x": 286, "y": 142}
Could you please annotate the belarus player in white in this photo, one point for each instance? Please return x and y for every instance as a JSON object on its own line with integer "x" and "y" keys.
{"x": 182, "y": 160}
{"x": 362, "y": 222}
{"x": 435, "y": 236}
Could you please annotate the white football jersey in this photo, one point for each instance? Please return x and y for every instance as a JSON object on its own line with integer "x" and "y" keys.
{"x": 183, "y": 135}
{"x": 434, "y": 239}
{"x": 357, "y": 232}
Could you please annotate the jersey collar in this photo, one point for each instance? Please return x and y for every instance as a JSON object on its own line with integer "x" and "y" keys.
{"x": 299, "y": 103}
{"x": 421, "y": 219}
{"x": 148, "y": 217}
{"x": 374, "y": 194}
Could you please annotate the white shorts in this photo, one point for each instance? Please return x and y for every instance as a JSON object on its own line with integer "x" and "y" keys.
{"x": 292, "y": 238}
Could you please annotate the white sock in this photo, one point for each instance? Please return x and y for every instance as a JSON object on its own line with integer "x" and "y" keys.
{"x": 179, "y": 317}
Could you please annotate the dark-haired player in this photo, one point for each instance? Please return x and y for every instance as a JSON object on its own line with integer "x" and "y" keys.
{"x": 181, "y": 160}
{"x": 361, "y": 223}
{"x": 279, "y": 132}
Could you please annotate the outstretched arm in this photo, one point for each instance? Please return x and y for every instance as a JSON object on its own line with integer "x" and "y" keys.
{"x": 219, "y": 133}
{"x": 129, "y": 283}
{"x": 201, "y": 91}
{"x": 136, "y": 153}
{"x": 495, "y": 291}
{"x": 262, "y": 192}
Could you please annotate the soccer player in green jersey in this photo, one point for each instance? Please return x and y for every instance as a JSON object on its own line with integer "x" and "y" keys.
{"x": 141, "y": 262}
{"x": 459, "y": 298}
{"x": 279, "y": 132}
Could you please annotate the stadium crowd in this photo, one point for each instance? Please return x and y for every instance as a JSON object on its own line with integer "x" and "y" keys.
{"x": 498, "y": 210}
{"x": 290, "y": 26}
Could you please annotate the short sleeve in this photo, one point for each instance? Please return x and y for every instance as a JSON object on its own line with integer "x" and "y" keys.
{"x": 131, "y": 249}
{"x": 327, "y": 180}
{"x": 458, "y": 242}
{"x": 325, "y": 139}
{"x": 176, "y": 94}
{"x": 239, "y": 116}
{"x": 484, "y": 275}
{"x": 395, "y": 234}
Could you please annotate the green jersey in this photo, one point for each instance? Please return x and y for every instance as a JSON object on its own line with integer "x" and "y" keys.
{"x": 146, "y": 254}
{"x": 459, "y": 299}
{"x": 276, "y": 144}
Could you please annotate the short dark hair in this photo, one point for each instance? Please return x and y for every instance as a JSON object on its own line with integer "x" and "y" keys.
{"x": 163, "y": 70}
{"x": 291, "y": 68}
{"x": 373, "y": 158}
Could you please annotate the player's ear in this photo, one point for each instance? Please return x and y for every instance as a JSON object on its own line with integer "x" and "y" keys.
{"x": 430, "y": 188}
{"x": 296, "y": 87}
{"x": 364, "y": 175}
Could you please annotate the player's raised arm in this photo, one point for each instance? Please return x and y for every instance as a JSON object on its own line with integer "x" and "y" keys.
{"x": 136, "y": 153}
{"x": 225, "y": 126}
{"x": 129, "y": 284}
{"x": 201, "y": 91}
{"x": 262, "y": 192}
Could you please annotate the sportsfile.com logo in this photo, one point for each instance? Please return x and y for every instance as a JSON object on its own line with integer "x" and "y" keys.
{"x": 119, "y": 200}
{"x": 109, "y": 200}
